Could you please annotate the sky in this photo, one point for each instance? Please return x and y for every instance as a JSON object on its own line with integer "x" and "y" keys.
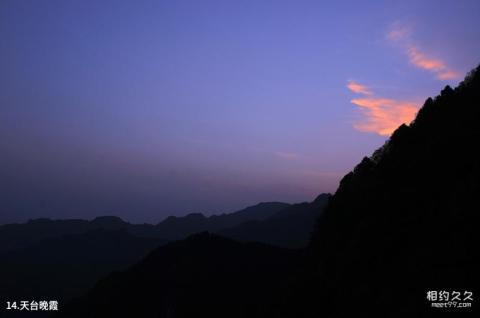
{"x": 144, "y": 109}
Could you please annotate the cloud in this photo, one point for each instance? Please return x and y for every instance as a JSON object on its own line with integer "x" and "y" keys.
{"x": 358, "y": 88}
{"x": 420, "y": 60}
{"x": 287, "y": 155}
{"x": 400, "y": 34}
{"x": 448, "y": 75}
{"x": 382, "y": 115}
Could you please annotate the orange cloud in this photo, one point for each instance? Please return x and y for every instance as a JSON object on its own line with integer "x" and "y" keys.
{"x": 448, "y": 75}
{"x": 381, "y": 115}
{"x": 401, "y": 35}
{"x": 419, "y": 59}
{"x": 358, "y": 88}
{"x": 436, "y": 66}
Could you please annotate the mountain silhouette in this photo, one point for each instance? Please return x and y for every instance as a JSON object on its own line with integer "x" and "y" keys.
{"x": 179, "y": 227}
{"x": 403, "y": 222}
{"x": 62, "y": 259}
{"x": 290, "y": 227}
{"x": 204, "y": 276}
{"x": 14, "y": 236}
{"x": 60, "y": 268}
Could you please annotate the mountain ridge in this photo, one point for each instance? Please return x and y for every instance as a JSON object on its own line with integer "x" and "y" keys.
{"x": 405, "y": 219}
{"x": 19, "y": 235}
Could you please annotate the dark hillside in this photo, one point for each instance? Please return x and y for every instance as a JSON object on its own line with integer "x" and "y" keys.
{"x": 406, "y": 220}
{"x": 202, "y": 276}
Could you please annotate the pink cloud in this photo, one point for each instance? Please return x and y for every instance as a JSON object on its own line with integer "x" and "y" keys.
{"x": 400, "y": 34}
{"x": 448, "y": 75}
{"x": 420, "y": 60}
{"x": 358, "y": 88}
{"x": 382, "y": 115}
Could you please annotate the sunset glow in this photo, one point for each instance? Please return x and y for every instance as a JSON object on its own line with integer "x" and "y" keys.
{"x": 382, "y": 115}
{"x": 146, "y": 109}
{"x": 402, "y": 35}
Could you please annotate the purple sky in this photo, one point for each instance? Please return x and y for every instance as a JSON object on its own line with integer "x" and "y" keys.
{"x": 145, "y": 109}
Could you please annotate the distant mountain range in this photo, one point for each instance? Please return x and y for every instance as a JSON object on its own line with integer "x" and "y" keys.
{"x": 64, "y": 258}
{"x": 174, "y": 227}
{"x": 290, "y": 227}
{"x": 62, "y": 267}
{"x": 236, "y": 224}
{"x": 402, "y": 224}
{"x": 14, "y": 236}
